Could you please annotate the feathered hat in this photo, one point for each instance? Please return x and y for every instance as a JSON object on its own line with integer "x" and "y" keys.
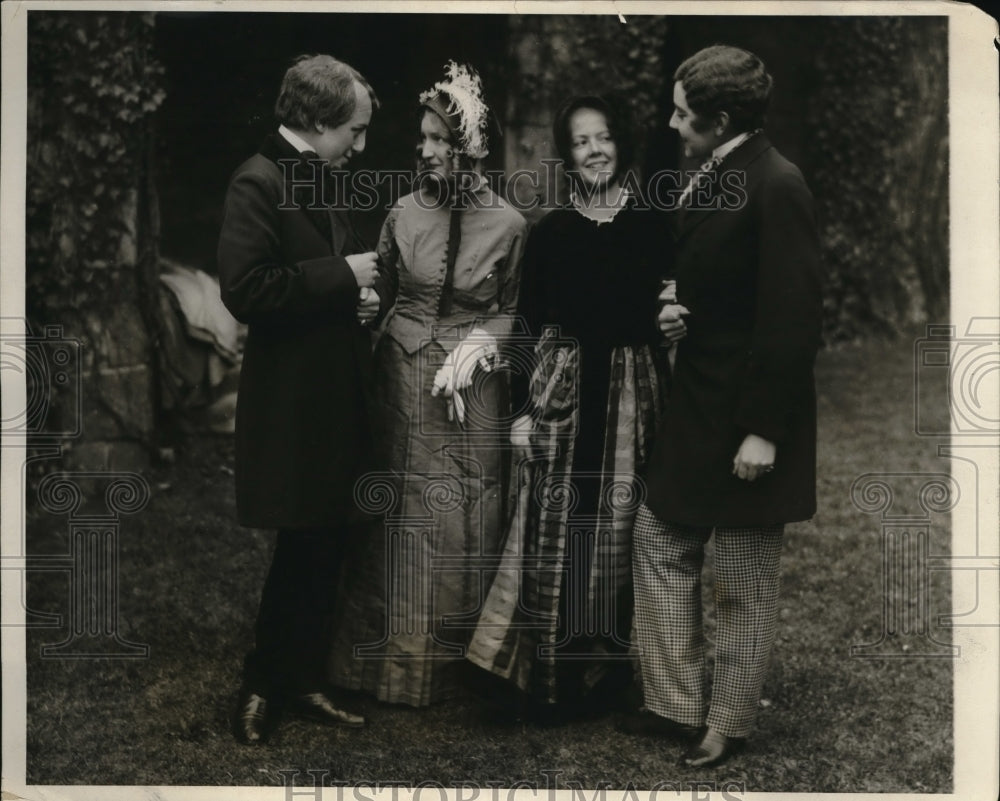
{"x": 458, "y": 100}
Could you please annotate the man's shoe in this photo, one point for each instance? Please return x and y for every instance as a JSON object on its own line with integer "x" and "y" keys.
{"x": 647, "y": 723}
{"x": 254, "y": 718}
{"x": 319, "y": 707}
{"x": 713, "y": 749}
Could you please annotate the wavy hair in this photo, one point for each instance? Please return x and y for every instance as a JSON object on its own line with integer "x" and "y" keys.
{"x": 730, "y": 79}
{"x": 319, "y": 89}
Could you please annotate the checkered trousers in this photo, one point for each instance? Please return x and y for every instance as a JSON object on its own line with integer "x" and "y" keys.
{"x": 666, "y": 564}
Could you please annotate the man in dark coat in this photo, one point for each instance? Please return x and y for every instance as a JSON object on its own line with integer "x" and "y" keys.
{"x": 736, "y": 451}
{"x": 292, "y": 267}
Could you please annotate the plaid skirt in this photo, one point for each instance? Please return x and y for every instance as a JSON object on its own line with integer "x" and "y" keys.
{"x": 545, "y": 610}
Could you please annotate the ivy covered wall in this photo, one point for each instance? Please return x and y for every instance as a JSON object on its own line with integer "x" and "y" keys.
{"x": 878, "y": 148}
{"x": 91, "y": 254}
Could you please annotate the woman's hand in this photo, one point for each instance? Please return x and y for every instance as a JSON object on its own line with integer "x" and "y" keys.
{"x": 520, "y": 437}
{"x": 754, "y": 458}
{"x": 475, "y": 350}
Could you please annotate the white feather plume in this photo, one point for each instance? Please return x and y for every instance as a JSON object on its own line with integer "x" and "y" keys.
{"x": 464, "y": 89}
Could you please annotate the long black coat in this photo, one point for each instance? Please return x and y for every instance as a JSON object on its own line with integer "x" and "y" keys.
{"x": 302, "y": 430}
{"x": 749, "y": 273}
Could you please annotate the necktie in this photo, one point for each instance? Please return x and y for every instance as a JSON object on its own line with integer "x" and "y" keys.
{"x": 697, "y": 180}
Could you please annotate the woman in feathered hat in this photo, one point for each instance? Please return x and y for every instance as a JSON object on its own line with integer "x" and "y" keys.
{"x": 454, "y": 247}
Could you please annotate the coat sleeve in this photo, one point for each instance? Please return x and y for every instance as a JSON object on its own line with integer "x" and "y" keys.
{"x": 256, "y": 283}
{"x": 787, "y": 318}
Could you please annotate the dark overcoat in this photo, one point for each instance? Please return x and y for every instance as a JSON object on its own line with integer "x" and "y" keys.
{"x": 302, "y": 430}
{"x": 748, "y": 270}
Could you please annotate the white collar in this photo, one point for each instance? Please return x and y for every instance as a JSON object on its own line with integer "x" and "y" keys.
{"x": 726, "y": 148}
{"x": 619, "y": 204}
{"x": 295, "y": 140}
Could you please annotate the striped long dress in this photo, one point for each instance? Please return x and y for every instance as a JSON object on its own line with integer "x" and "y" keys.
{"x": 558, "y": 614}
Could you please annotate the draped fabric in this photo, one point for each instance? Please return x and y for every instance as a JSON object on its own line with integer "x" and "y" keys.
{"x": 545, "y": 609}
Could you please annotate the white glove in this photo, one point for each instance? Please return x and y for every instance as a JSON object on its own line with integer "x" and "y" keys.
{"x": 456, "y": 372}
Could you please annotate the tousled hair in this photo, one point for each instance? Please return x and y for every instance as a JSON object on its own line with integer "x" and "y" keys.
{"x": 319, "y": 89}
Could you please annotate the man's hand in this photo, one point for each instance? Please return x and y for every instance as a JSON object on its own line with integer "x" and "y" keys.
{"x": 368, "y": 305}
{"x": 754, "y": 458}
{"x": 671, "y": 322}
{"x": 670, "y": 319}
{"x": 363, "y": 265}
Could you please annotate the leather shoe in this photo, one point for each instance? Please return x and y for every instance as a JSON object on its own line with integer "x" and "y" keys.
{"x": 254, "y": 718}
{"x": 647, "y": 723}
{"x": 319, "y": 707}
{"x": 713, "y": 749}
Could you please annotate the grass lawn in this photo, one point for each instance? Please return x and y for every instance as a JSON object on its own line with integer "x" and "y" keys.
{"x": 190, "y": 581}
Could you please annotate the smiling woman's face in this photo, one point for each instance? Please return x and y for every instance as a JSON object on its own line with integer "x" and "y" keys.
{"x": 595, "y": 155}
{"x": 435, "y": 151}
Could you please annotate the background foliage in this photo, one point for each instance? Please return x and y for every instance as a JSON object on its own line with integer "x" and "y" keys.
{"x": 559, "y": 57}
{"x": 93, "y": 83}
{"x": 878, "y": 147}
{"x": 92, "y": 215}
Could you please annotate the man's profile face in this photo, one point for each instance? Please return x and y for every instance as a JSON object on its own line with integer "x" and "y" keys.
{"x": 697, "y": 143}
{"x": 337, "y": 145}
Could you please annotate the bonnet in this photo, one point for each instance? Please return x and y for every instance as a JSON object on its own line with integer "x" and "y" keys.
{"x": 458, "y": 101}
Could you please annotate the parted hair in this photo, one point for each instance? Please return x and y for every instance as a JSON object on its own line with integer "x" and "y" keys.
{"x": 464, "y": 162}
{"x": 319, "y": 89}
{"x": 724, "y": 78}
{"x": 619, "y": 125}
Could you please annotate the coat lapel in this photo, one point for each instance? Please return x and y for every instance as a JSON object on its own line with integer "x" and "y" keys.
{"x": 341, "y": 227}
{"x": 278, "y": 149}
{"x": 739, "y": 159}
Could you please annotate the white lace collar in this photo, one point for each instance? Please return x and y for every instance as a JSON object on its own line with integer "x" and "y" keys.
{"x": 619, "y": 204}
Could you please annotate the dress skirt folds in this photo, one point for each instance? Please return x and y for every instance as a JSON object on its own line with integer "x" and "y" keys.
{"x": 415, "y": 584}
{"x": 423, "y": 574}
{"x": 558, "y": 614}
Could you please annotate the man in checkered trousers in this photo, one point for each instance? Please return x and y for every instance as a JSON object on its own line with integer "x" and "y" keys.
{"x": 736, "y": 451}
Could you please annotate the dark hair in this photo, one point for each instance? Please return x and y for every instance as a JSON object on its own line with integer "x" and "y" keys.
{"x": 319, "y": 89}
{"x": 724, "y": 78}
{"x": 619, "y": 124}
